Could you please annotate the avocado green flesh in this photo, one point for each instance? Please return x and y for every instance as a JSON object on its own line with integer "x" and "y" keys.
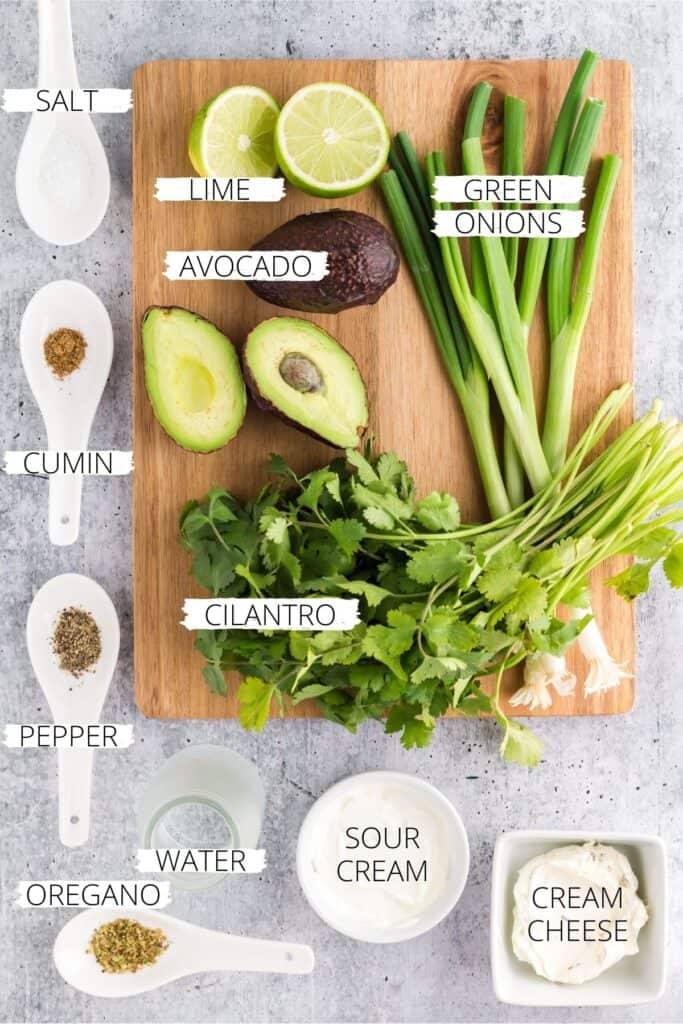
{"x": 336, "y": 411}
{"x": 193, "y": 378}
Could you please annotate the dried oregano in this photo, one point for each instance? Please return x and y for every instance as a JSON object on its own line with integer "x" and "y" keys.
{"x": 124, "y": 946}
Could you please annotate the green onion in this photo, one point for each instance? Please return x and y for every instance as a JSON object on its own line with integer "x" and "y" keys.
{"x": 474, "y": 126}
{"x": 462, "y": 365}
{"x": 561, "y": 258}
{"x": 537, "y": 248}
{"x": 502, "y": 292}
{"x": 564, "y": 348}
{"x": 514, "y": 113}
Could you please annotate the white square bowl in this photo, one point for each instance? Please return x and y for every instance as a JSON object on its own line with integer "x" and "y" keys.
{"x": 635, "y": 979}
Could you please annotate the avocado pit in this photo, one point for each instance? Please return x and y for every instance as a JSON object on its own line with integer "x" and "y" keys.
{"x": 301, "y": 373}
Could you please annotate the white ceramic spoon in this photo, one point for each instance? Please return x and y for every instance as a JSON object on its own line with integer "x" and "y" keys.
{"x": 69, "y": 405}
{"x": 62, "y": 178}
{"x": 191, "y": 950}
{"x": 73, "y": 701}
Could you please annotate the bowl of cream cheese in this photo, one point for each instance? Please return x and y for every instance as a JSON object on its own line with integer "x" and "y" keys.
{"x": 382, "y": 856}
{"x": 578, "y": 919}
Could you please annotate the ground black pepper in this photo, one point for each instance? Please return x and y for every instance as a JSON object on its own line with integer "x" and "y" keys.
{"x": 76, "y": 641}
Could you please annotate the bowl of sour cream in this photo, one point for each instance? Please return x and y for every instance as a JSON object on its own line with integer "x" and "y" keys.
{"x": 382, "y": 856}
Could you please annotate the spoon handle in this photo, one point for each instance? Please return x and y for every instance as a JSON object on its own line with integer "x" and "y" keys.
{"x": 75, "y": 774}
{"x": 56, "y": 62}
{"x": 219, "y": 952}
{"x": 64, "y": 514}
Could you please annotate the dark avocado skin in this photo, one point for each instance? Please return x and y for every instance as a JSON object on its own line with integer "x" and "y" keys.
{"x": 363, "y": 261}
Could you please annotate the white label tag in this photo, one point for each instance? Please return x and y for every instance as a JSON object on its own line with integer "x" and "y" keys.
{"x": 196, "y": 861}
{"x": 69, "y": 463}
{"x": 313, "y": 614}
{"x": 220, "y": 190}
{"x": 246, "y": 265}
{"x": 73, "y": 101}
{"x": 73, "y": 737}
{"x": 508, "y": 223}
{"x": 112, "y": 895}
{"x": 508, "y": 188}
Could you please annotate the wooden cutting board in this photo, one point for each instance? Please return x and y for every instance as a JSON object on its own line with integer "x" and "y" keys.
{"x": 414, "y": 411}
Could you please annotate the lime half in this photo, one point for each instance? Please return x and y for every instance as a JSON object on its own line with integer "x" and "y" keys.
{"x": 232, "y": 135}
{"x": 331, "y": 140}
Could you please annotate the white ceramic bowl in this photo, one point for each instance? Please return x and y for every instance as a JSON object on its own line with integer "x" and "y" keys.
{"x": 635, "y": 979}
{"x": 446, "y": 899}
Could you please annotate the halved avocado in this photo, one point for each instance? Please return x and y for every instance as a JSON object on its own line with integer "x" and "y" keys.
{"x": 299, "y": 372}
{"x": 193, "y": 378}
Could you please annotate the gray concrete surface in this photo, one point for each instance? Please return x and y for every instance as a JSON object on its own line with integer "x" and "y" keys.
{"x": 622, "y": 773}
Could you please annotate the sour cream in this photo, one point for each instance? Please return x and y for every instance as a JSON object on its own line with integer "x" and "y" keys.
{"x": 381, "y": 855}
{"x": 576, "y": 912}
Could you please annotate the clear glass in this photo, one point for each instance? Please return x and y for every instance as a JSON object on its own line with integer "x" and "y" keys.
{"x": 204, "y": 797}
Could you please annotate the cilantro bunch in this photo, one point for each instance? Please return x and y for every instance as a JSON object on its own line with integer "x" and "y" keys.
{"x": 443, "y": 604}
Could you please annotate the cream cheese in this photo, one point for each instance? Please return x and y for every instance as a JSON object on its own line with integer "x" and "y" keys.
{"x": 576, "y": 912}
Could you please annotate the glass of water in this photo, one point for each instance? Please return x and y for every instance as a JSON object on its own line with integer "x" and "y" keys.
{"x": 204, "y": 797}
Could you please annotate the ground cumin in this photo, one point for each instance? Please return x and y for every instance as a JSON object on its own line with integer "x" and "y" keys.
{"x": 64, "y": 350}
{"x": 124, "y": 946}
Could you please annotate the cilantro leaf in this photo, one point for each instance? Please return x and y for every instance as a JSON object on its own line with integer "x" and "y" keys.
{"x": 220, "y": 505}
{"x": 348, "y": 534}
{"x": 213, "y": 674}
{"x": 528, "y": 604}
{"x": 520, "y": 745}
{"x": 333, "y": 488}
{"x": 309, "y": 692}
{"x": 436, "y": 562}
{"x": 559, "y": 635}
{"x": 388, "y": 643}
{"x": 385, "y": 500}
{"x": 475, "y": 703}
{"x": 445, "y": 669}
{"x": 337, "y": 647}
{"x": 317, "y": 483}
{"x": 378, "y": 518}
{"x": 254, "y": 696}
{"x": 278, "y": 466}
{"x": 673, "y": 565}
{"x": 391, "y": 470}
{"x": 438, "y": 511}
{"x": 499, "y": 583}
{"x": 365, "y": 471}
{"x": 373, "y": 594}
{"x": 632, "y": 581}
{"x": 414, "y": 731}
{"x": 447, "y": 635}
{"x": 656, "y": 544}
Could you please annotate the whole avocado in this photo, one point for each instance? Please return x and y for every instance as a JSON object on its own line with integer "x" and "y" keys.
{"x": 363, "y": 261}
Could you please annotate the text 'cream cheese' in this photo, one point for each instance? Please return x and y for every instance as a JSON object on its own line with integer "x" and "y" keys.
{"x": 576, "y": 912}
